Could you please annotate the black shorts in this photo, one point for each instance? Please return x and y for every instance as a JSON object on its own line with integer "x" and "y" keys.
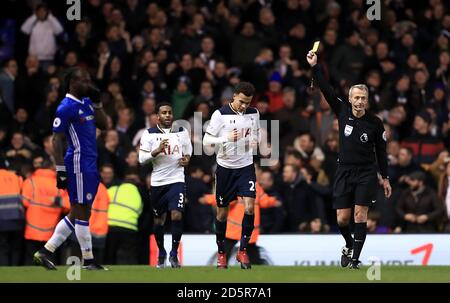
{"x": 234, "y": 182}
{"x": 167, "y": 197}
{"x": 355, "y": 185}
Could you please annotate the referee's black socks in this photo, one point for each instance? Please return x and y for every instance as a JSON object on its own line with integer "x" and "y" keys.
{"x": 360, "y": 237}
{"x": 345, "y": 232}
{"x": 248, "y": 223}
{"x": 221, "y": 228}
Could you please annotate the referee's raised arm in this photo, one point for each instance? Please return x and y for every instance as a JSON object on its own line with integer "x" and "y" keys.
{"x": 326, "y": 89}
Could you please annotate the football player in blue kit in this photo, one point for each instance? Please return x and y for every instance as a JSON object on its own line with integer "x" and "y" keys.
{"x": 77, "y": 117}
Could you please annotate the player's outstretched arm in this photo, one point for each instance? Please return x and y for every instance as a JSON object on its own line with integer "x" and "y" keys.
{"x": 325, "y": 88}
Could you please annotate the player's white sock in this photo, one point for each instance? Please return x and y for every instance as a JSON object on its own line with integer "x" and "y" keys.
{"x": 84, "y": 238}
{"x": 63, "y": 230}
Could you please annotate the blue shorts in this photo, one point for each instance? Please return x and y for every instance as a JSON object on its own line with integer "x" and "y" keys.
{"x": 82, "y": 187}
{"x": 234, "y": 182}
{"x": 167, "y": 197}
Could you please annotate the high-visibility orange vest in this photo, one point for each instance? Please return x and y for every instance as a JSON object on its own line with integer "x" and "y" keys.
{"x": 44, "y": 204}
{"x": 236, "y": 213}
{"x": 11, "y": 209}
{"x": 98, "y": 222}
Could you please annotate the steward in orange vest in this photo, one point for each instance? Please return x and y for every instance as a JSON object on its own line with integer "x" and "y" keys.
{"x": 98, "y": 221}
{"x": 44, "y": 205}
{"x": 11, "y": 216}
{"x": 234, "y": 220}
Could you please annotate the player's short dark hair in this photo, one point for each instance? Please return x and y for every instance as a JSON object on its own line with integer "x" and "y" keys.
{"x": 68, "y": 76}
{"x": 161, "y": 104}
{"x": 246, "y": 88}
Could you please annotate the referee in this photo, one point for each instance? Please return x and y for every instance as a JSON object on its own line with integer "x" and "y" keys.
{"x": 362, "y": 153}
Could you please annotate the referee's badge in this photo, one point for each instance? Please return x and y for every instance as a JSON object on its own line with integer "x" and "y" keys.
{"x": 364, "y": 138}
{"x": 348, "y": 130}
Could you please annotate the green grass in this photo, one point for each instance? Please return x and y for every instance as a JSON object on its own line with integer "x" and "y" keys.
{"x": 133, "y": 274}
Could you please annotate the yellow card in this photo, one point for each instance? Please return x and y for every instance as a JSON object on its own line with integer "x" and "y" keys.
{"x": 316, "y": 46}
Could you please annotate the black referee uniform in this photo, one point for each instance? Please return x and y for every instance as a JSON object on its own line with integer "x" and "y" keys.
{"x": 362, "y": 151}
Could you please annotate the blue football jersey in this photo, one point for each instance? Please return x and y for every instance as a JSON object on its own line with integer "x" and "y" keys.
{"x": 75, "y": 118}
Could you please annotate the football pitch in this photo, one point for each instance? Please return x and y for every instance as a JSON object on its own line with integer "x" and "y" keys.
{"x": 209, "y": 274}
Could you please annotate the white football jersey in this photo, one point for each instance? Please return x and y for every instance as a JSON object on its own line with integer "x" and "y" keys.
{"x": 166, "y": 169}
{"x": 223, "y": 121}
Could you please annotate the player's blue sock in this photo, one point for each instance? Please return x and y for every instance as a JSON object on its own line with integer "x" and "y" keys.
{"x": 84, "y": 238}
{"x": 63, "y": 230}
{"x": 360, "y": 237}
{"x": 248, "y": 223}
{"x": 221, "y": 228}
{"x": 158, "y": 230}
{"x": 177, "y": 231}
{"x": 345, "y": 232}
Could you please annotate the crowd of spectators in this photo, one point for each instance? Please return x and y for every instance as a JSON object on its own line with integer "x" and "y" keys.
{"x": 191, "y": 54}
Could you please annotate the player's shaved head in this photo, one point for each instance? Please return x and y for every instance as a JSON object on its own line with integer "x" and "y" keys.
{"x": 77, "y": 81}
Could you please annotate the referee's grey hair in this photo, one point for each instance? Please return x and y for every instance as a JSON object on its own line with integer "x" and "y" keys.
{"x": 359, "y": 86}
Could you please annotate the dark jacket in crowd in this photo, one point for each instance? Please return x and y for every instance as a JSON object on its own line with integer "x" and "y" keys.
{"x": 423, "y": 203}
{"x": 299, "y": 203}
